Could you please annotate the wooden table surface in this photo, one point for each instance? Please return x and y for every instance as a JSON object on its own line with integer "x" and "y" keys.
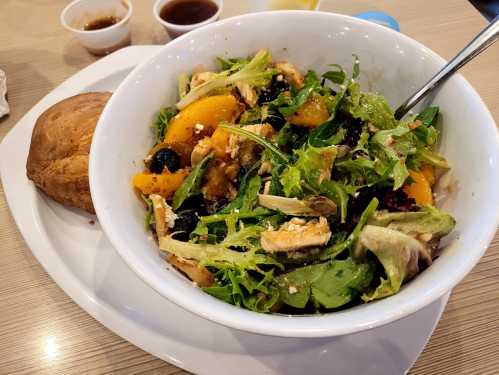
{"x": 37, "y": 55}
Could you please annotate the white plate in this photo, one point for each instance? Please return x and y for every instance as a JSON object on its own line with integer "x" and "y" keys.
{"x": 82, "y": 262}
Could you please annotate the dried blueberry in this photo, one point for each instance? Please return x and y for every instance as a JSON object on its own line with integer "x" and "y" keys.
{"x": 354, "y": 129}
{"x": 164, "y": 158}
{"x": 277, "y": 85}
{"x": 195, "y": 203}
{"x": 276, "y": 120}
{"x": 184, "y": 224}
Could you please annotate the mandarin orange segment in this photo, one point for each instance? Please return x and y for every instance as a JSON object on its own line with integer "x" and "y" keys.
{"x": 419, "y": 189}
{"x": 164, "y": 184}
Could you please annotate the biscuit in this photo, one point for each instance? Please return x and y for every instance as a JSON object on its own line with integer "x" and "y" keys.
{"x": 60, "y": 144}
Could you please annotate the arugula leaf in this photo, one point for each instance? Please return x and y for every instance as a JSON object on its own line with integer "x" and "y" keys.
{"x": 244, "y": 193}
{"x": 258, "y": 212}
{"x": 330, "y": 285}
{"x": 192, "y": 183}
{"x": 240, "y": 288}
{"x": 291, "y": 137}
{"x": 258, "y": 139}
{"x": 160, "y": 124}
{"x": 352, "y": 239}
{"x": 289, "y": 105}
{"x": 337, "y": 76}
{"x": 337, "y": 192}
{"x": 326, "y": 134}
{"x": 428, "y": 116}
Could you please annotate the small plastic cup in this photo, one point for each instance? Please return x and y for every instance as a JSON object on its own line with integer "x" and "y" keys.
{"x": 175, "y": 30}
{"x": 99, "y": 42}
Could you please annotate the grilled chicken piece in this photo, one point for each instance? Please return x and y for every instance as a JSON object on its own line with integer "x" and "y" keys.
{"x": 164, "y": 217}
{"x": 296, "y": 234}
{"x": 246, "y": 150}
{"x": 198, "y": 274}
{"x": 200, "y": 78}
{"x": 202, "y": 148}
{"x": 291, "y": 73}
{"x": 248, "y": 93}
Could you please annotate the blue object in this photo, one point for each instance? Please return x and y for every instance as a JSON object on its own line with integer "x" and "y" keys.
{"x": 380, "y": 18}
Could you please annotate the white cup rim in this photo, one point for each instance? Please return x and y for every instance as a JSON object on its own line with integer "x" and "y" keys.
{"x": 185, "y": 28}
{"x": 79, "y": 31}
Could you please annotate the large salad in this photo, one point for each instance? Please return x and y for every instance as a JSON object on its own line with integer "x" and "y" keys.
{"x": 282, "y": 192}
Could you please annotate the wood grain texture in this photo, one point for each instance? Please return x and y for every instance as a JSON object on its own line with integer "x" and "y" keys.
{"x": 43, "y": 332}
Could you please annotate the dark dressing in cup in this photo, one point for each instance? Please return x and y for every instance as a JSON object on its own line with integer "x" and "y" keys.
{"x": 188, "y": 12}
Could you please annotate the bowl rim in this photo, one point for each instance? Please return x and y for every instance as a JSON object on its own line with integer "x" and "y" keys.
{"x": 274, "y": 324}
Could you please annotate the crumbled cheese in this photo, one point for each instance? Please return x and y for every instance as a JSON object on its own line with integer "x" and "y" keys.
{"x": 280, "y": 77}
{"x": 170, "y": 216}
{"x": 292, "y": 289}
{"x": 198, "y": 128}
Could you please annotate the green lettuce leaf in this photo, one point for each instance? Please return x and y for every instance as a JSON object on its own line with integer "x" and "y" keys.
{"x": 330, "y": 285}
{"x": 429, "y": 220}
{"x": 430, "y": 157}
{"x": 257, "y": 73}
{"x": 369, "y": 107}
{"x": 399, "y": 254}
{"x": 221, "y": 254}
{"x": 392, "y": 148}
{"x": 315, "y": 163}
{"x": 291, "y": 182}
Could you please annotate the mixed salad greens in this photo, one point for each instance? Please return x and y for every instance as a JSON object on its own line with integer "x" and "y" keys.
{"x": 282, "y": 192}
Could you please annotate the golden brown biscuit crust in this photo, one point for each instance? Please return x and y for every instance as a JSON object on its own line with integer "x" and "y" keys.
{"x": 58, "y": 156}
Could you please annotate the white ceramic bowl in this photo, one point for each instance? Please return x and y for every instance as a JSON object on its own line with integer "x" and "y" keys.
{"x": 391, "y": 63}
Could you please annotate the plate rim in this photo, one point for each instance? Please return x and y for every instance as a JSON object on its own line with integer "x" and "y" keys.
{"x": 37, "y": 241}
